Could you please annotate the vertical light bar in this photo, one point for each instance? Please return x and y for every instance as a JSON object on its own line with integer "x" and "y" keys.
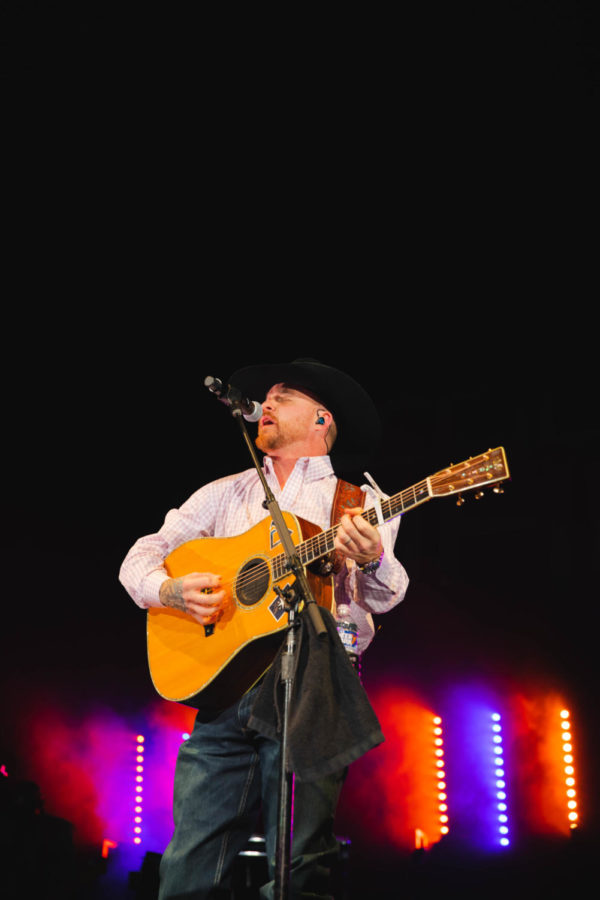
{"x": 569, "y": 768}
{"x": 442, "y": 795}
{"x": 500, "y": 780}
{"x": 139, "y": 787}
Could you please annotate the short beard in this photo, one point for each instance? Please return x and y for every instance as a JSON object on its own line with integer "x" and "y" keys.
{"x": 266, "y": 442}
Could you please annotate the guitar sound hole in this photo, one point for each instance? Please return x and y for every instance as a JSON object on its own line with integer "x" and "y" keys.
{"x": 252, "y": 581}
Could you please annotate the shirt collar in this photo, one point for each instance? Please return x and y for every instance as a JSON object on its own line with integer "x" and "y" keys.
{"x": 311, "y": 468}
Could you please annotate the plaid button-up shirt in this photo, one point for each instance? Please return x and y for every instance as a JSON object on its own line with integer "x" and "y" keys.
{"x": 232, "y": 505}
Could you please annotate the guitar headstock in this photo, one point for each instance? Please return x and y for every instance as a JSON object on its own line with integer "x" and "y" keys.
{"x": 478, "y": 471}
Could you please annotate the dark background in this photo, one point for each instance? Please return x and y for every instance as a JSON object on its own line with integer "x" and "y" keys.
{"x": 412, "y": 200}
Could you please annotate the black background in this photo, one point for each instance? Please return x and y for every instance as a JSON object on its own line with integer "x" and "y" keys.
{"x": 412, "y": 200}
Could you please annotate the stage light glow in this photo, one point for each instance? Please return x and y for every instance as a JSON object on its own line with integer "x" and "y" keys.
{"x": 106, "y": 846}
{"x": 406, "y": 774}
{"x": 442, "y": 797}
{"x": 502, "y": 817}
{"x": 137, "y": 819}
{"x": 568, "y": 757}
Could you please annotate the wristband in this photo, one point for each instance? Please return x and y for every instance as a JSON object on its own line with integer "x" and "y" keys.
{"x": 369, "y": 568}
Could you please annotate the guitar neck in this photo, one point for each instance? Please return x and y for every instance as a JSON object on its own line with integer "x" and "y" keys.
{"x": 480, "y": 471}
{"x": 323, "y": 543}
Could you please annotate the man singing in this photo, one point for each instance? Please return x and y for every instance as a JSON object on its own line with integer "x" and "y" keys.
{"x": 227, "y": 772}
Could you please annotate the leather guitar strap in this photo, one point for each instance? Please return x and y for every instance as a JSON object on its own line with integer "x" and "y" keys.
{"x": 346, "y": 497}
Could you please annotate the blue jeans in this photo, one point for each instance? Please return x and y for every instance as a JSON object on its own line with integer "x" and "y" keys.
{"x": 225, "y": 773}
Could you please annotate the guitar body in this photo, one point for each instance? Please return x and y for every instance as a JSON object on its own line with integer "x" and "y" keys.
{"x": 209, "y": 667}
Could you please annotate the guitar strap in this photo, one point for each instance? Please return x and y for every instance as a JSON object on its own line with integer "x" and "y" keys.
{"x": 346, "y": 496}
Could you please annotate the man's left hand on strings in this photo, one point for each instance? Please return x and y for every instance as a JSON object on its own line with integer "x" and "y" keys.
{"x": 356, "y": 538}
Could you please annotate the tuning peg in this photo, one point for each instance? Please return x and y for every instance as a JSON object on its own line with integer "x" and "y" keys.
{"x": 498, "y": 489}
{"x": 460, "y": 500}
{"x": 479, "y": 495}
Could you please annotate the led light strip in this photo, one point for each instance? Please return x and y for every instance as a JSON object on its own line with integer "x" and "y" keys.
{"x": 567, "y": 748}
{"x": 139, "y": 787}
{"x": 500, "y": 780}
{"x": 441, "y": 774}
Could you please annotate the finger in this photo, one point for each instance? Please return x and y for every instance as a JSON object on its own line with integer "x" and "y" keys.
{"x": 202, "y": 580}
{"x": 354, "y": 511}
{"x": 365, "y": 529}
{"x": 354, "y": 536}
{"x": 347, "y": 527}
{"x": 342, "y": 540}
{"x": 206, "y": 620}
{"x": 206, "y": 603}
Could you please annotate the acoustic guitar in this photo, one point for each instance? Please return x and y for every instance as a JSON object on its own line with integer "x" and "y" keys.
{"x": 211, "y": 666}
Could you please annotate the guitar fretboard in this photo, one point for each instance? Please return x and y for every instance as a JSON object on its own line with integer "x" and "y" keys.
{"x": 323, "y": 543}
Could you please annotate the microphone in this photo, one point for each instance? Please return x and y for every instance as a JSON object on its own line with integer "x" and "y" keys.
{"x": 230, "y": 396}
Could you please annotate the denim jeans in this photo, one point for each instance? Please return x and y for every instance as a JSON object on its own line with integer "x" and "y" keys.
{"x": 225, "y": 773}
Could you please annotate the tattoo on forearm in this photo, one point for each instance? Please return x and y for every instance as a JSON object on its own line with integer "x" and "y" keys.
{"x": 171, "y": 594}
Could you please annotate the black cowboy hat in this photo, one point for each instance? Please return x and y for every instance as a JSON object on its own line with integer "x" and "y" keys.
{"x": 355, "y": 414}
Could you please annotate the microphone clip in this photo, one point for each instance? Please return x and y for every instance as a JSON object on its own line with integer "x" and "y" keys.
{"x": 232, "y": 397}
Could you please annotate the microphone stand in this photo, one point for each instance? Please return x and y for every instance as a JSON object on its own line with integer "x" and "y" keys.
{"x": 291, "y": 603}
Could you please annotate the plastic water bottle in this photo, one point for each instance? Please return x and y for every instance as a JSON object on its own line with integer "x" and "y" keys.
{"x": 348, "y": 632}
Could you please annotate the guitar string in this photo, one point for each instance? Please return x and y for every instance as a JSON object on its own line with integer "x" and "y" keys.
{"x": 394, "y": 506}
{"x": 312, "y": 545}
